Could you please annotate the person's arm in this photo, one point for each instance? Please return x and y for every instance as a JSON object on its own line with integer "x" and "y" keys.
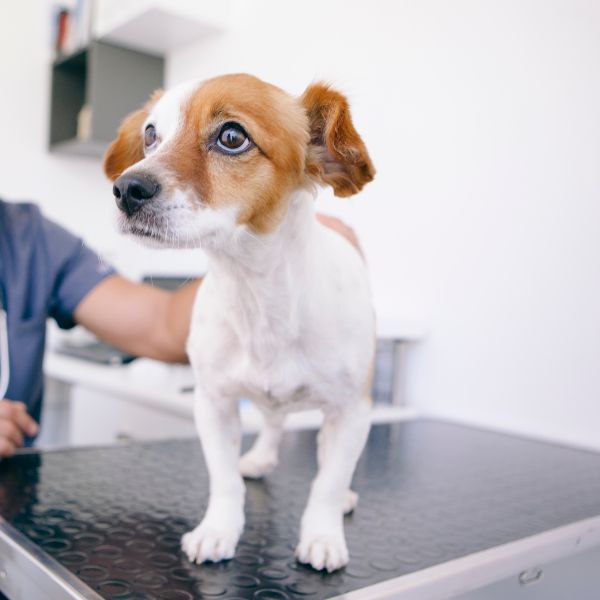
{"x": 138, "y": 318}
{"x": 147, "y": 321}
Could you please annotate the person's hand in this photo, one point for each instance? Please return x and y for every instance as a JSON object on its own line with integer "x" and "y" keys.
{"x": 340, "y": 227}
{"x": 15, "y": 423}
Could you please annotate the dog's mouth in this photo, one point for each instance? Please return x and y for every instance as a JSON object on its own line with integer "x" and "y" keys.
{"x": 145, "y": 233}
{"x": 174, "y": 225}
{"x": 152, "y": 230}
{"x": 156, "y": 231}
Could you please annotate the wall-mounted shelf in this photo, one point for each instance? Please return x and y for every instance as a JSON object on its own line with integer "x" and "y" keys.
{"x": 162, "y": 31}
{"x": 158, "y": 26}
{"x": 93, "y": 89}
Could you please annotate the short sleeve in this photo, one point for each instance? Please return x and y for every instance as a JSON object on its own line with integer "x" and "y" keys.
{"x": 76, "y": 271}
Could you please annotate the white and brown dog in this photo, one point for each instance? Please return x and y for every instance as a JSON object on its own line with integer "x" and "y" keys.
{"x": 284, "y": 315}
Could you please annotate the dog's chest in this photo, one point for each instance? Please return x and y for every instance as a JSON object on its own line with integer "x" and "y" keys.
{"x": 292, "y": 340}
{"x": 277, "y": 375}
{"x": 285, "y": 381}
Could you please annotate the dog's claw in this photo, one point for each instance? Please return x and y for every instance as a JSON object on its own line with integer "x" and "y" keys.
{"x": 208, "y": 544}
{"x": 327, "y": 551}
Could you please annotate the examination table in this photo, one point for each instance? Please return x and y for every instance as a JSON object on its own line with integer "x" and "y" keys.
{"x": 443, "y": 509}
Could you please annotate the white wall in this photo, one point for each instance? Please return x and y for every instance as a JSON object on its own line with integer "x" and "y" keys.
{"x": 483, "y": 121}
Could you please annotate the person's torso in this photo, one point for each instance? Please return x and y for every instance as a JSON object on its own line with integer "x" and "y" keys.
{"x": 26, "y": 286}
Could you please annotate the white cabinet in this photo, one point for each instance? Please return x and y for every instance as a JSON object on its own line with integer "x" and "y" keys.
{"x": 98, "y": 418}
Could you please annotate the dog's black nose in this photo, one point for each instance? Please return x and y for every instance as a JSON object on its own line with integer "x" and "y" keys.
{"x": 131, "y": 191}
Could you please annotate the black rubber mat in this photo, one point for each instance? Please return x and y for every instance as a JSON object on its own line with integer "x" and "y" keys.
{"x": 429, "y": 492}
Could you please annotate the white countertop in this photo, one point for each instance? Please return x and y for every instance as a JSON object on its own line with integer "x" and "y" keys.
{"x": 161, "y": 387}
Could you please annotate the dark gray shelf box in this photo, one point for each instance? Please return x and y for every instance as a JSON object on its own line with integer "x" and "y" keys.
{"x": 110, "y": 79}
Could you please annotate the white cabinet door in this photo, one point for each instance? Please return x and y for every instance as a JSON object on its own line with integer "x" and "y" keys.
{"x": 100, "y": 418}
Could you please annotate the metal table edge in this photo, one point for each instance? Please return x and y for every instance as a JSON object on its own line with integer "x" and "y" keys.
{"x": 474, "y": 571}
{"x": 20, "y": 553}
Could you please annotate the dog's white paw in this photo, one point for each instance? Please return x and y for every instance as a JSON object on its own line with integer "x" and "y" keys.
{"x": 350, "y": 501}
{"x": 254, "y": 465}
{"x": 209, "y": 543}
{"x": 324, "y": 551}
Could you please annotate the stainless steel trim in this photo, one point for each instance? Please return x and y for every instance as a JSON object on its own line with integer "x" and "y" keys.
{"x": 479, "y": 569}
{"x": 29, "y": 573}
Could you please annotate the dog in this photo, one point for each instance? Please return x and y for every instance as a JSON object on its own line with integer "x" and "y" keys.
{"x": 284, "y": 315}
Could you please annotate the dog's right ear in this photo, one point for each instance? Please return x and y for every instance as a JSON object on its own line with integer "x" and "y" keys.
{"x": 128, "y": 147}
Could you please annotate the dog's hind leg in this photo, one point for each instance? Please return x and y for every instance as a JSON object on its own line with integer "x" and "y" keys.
{"x": 351, "y": 497}
{"x": 218, "y": 424}
{"x": 262, "y": 458}
{"x": 322, "y": 542}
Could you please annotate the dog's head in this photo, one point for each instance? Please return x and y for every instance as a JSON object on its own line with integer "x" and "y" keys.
{"x": 201, "y": 160}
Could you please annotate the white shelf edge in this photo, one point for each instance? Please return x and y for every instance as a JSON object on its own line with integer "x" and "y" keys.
{"x": 154, "y": 30}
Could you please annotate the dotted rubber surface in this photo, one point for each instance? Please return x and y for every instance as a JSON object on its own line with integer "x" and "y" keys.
{"x": 429, "y": 492}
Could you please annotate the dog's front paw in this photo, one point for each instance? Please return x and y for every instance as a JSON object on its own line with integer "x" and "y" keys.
{"x": 210, "y": 543}
{"x": 254, "y": 465}
{"x": 323, "y": 551}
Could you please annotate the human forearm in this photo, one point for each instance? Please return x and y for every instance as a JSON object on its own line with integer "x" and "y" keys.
{"x": 178, "y": 317}
{"x": 138, "y": 318}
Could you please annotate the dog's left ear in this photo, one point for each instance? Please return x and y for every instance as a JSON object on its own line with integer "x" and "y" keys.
{"x": 128, "y": 147}
{"x": 336, "y": 156}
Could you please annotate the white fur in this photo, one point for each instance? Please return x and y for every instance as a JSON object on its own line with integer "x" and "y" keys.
{"x": 166, "y": 115}
{"x": 284, "y": 319}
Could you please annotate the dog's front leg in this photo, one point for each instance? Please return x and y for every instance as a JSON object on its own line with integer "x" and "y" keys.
{"x": 218, "y": 424}
{"x": 342, "y": 438}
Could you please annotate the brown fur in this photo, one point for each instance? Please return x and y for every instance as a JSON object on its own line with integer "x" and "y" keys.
{"x": 260, "y": 178}
{"x": 313, "y": 139}
{"x": 128, "y": 148}
{"x": 336, "y": 154}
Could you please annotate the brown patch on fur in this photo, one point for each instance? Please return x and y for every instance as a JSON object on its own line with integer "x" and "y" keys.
{"x": 128, "y": 147}
{"x": 293, "y": 138}
{"x": 336, "y": 154}
{"x": 260, "y": 179}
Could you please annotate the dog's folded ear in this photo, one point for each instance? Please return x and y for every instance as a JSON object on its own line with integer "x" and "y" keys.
{"x": 336, "y": 156}
{"x": 128, "y": 147}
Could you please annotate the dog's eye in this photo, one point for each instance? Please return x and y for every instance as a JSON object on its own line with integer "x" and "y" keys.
{"x": 233, "y": 139}
{"x": 149, "y": 136}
